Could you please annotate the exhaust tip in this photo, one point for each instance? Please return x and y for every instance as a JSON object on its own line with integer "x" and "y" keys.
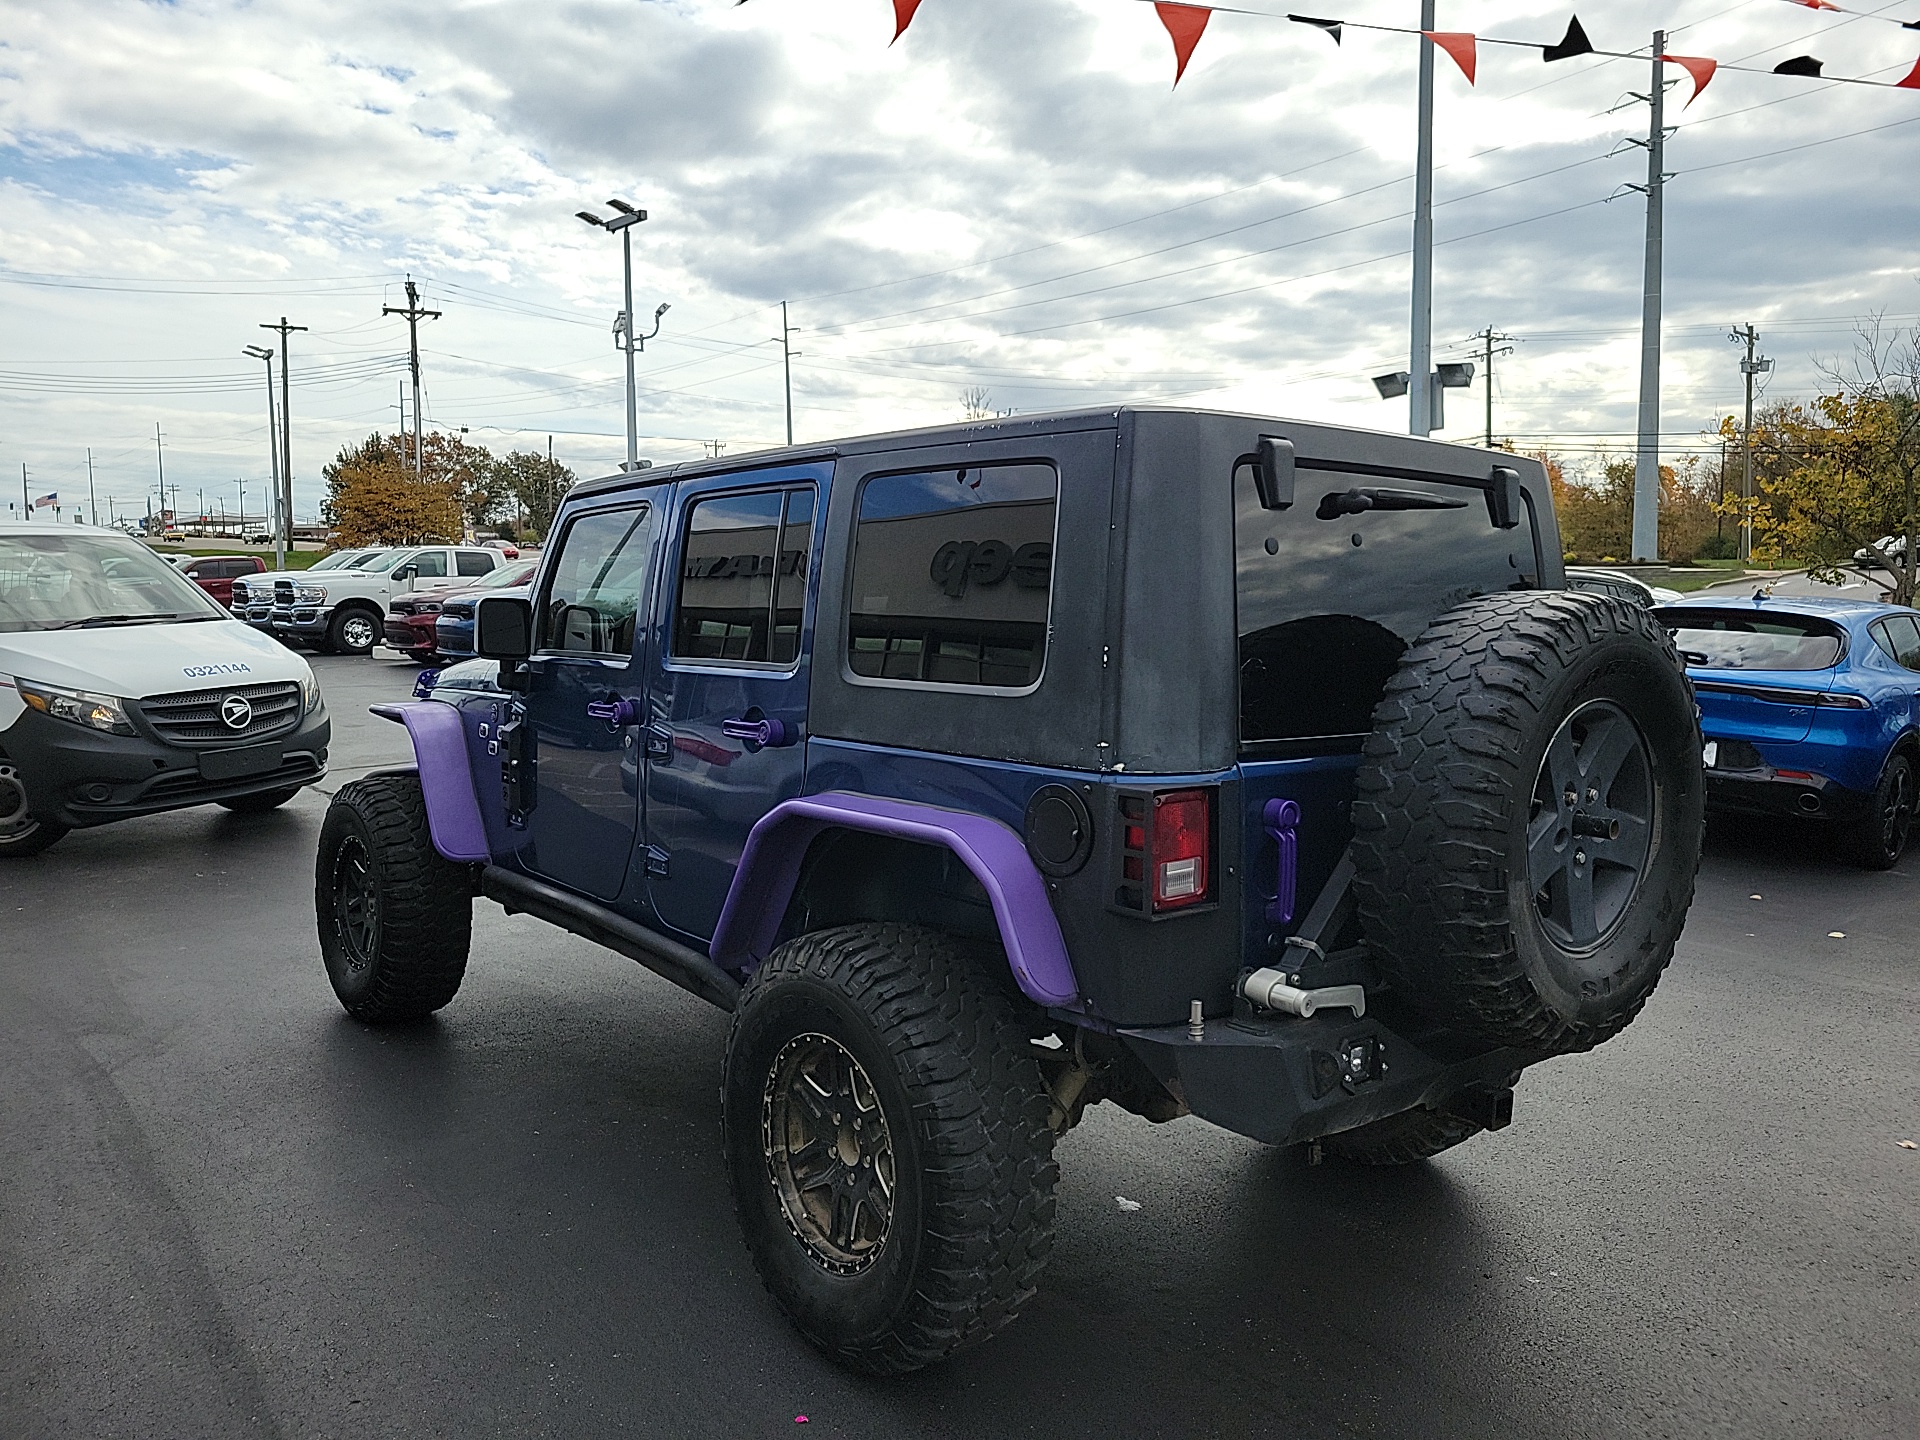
{"x": 1808, "y": 802}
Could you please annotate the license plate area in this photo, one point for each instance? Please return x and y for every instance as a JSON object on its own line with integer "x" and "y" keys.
{"x": 238, "y": 764}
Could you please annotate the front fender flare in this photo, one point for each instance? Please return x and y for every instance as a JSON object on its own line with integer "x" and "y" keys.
{"x": 770, "y": 868}
{"x": 446, "y": 779}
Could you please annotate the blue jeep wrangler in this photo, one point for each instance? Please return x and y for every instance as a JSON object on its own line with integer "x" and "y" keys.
{"x": 1202, "y": 763}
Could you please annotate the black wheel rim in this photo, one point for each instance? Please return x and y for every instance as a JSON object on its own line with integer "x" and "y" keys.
{"x": 356, "y": 904}
{"x": 829, "y": 1153}
{"x": 1896, "y": 810}
{"x": 356, "y": 632}
{"x": 1590, "y": 827}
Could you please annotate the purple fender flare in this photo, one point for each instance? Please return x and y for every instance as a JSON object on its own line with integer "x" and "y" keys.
{"x": 440, "y": 753}
{"x": 770, "y": 868}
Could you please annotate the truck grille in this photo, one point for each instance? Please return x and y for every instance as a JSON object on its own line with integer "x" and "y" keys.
{"x": 196, "y": 717}
{"x": 283, "y": 592}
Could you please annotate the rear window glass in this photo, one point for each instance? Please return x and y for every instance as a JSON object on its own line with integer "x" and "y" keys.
{"x": 1327, "y": 605}
{"x": 952, "y": 574}
{"x": 1748, "y": 640}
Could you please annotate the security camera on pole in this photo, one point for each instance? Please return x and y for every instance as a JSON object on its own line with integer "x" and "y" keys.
{"x": 625, "y": 336}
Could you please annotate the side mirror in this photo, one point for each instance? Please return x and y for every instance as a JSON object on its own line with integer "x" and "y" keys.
{"x": 503, "y": 628}
{"x": 1504, "y": 500}
{"x": 1273, "y": 468}
{"x": 404, "y": 575}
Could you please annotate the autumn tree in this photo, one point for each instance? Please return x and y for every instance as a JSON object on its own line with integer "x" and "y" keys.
{"x": 537, "y": 483}
{"x": 373, "y": 497}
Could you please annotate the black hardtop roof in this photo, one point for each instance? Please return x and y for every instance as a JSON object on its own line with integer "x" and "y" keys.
{"x": 1385, "y": 447}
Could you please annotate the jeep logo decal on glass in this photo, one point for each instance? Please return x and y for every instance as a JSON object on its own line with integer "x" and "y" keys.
{"x": 959, "y": 563}
{"x": 236, "y": 711}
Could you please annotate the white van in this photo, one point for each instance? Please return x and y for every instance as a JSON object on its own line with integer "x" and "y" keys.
{"x": 125, "y": 690}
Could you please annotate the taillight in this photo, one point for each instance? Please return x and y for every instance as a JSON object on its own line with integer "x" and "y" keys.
{"x": 1182, "y": 847}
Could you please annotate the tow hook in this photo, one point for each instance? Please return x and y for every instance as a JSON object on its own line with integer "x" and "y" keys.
{"x": 1274, "y": 990}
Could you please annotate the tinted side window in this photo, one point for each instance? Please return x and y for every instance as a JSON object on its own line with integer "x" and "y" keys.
{"x": 743, "y": 578}
{"x": 599, "y": 581}
{"x": 472, "y": 562}
{"x": 952, "y": 576}
{"x": 1901, "y": 639}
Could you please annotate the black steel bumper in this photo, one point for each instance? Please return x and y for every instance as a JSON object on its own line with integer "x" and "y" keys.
{"x": 79, "y": 777}
{"x": 1284, "y": 1080}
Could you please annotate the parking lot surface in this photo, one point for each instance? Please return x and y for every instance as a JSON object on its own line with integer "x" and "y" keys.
{"x": 227, "y": 1209}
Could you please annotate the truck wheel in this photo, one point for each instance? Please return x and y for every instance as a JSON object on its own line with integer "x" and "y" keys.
{"x": 1880, "y": 837}
{"x": 21, "y": 832}
{"x": 353, "y": 631}
{"x": 1400, "y": 1139}
{"x": 260, "y": 802}
{"x": 395, "y": 916}
{"x": 887, "y": 1142}
{"x": 1528, "y": 817}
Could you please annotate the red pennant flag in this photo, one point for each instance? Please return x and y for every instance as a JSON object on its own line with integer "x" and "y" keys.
{"x": 1912, "y": 82}
{"x": 1817, "y": 4}
{"x": 1699, "y": 68}
{"x": 1185, "y": 24}
{"x": 903, "y": 16}
{"x": 1459, "y": 45}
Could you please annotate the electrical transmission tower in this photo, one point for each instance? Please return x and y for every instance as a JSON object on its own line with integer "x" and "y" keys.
{"x": 413, "y": 315}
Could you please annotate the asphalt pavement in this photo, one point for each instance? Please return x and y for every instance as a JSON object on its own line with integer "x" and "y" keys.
{"x": 227, "y": 1209}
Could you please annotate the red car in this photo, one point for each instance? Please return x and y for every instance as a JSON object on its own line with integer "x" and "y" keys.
{"x": 411, "y": 618}
{"x": 215, "y": 574}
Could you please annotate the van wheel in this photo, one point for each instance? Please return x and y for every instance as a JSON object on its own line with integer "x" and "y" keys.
{"x": 1880, "y": 837}
{"x": 260, "y": 802}
{"x": 1400, "y": 1139}
{"x": 21, "y": 832}
{"x": 887, "y": 1142}
{"x": 395, "y": 916}
{"x": 354, "y": 631}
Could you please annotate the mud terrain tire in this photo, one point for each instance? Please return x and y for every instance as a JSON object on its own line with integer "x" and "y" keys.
{"x": 884, "y": 1050}
{"x": 1528, "y": 817}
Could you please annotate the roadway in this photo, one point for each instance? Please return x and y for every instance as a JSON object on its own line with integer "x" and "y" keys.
{"x": 226, "y": 1209}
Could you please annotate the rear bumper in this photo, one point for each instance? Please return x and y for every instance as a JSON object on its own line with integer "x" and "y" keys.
{"x": 1763, "y": 792}
{"x": 1285, "y": 1080}
{"x": 79, "y": 777}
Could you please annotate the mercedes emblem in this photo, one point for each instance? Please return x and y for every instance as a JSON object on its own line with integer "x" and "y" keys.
{"x": 237, "y": 712}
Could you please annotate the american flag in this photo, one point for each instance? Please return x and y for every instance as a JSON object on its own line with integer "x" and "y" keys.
{"x": 47, "y": 502}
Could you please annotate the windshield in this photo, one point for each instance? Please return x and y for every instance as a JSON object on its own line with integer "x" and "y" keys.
{"x": 344, "y": 560}
{"x": 1744, "y": 640}
{"x": 505, "y": 578}
{"x": 66, "y": 582}
{"x": 380, "y": 561}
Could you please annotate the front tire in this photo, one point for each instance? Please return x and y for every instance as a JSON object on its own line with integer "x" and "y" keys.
{"x": 887, "y": 1142}
{"x": 22, "y": 833}
{"x": 353, "y": 631}
{"x": 1879, "y": 839}
{"x": 395, "y": 916}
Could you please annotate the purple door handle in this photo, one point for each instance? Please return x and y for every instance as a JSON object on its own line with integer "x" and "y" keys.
{"x": 767, "y": 734}
{"x": 1281, "y": 819}
{"x": 617, "y": 712}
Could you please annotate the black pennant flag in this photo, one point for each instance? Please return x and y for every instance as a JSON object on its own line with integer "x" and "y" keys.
{"x": 1799, "y": 65}
{"x": 1574, "y": 43}
{"x": 1332, "y": 27}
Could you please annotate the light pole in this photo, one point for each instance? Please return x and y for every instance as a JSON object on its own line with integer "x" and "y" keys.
{"x": 261, "y": 352}
{"x": 625, "y": 337}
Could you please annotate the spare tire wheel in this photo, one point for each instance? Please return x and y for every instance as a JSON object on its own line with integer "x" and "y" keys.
{"x": 1528, "y": 817}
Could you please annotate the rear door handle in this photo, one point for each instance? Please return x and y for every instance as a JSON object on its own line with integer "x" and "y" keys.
{"x": 767, "y": 734}
{"x": 617, "y": 711}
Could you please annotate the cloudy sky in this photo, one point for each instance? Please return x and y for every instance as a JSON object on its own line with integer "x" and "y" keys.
{"x": 1013, "y": 197}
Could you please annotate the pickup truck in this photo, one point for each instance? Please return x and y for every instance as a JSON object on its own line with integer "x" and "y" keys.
{"x": 343, "y": 611}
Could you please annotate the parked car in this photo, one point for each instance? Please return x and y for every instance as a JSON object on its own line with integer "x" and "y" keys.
{"x": 253, "y": 598}
{"x": 343, "y": 612}
{"x": 453, "y": 626}
{"x": 1196, "y": 762}
{"x": 413, "y": 619}
{"x": 259, "y": 537}
{"x": 1616, "y": 582}
{"x": 125, "y": 690}
{"x": 1808, "y": 709}
{"x": 215, "y": 574}
{"x": 505, "y": 547}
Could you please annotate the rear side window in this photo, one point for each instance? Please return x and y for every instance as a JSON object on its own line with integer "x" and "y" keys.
{"x": 743, "y": 578}
{"x": 952, "y": 576}
{"x": 473, "y": 562}
{"x": 1899, "y": 636}
{"x": 599, "y": 581}
{"x": 1334, "y": 588}
{"x": 1753, "y": 640}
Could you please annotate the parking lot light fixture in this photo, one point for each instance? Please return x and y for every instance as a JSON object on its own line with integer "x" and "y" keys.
{"x": 624, "y": 219}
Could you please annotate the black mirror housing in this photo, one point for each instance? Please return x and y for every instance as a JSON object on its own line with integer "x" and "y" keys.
{"x": 1273, "y": 472}
{"x": 503, "y": 628}
{"x": 1504, "y": 498}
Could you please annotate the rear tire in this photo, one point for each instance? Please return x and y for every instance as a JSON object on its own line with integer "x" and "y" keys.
{"x": 1400, "y": 1139}
{"x": 887, "y": 1142}
{"x": 395, "y": 916}
{"x": 260, "y": 802}
{"x": 1880, "y": 838}
{"x": 354, "y": 630}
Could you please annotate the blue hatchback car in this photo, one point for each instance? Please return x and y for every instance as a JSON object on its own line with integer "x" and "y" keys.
{"x": 1807, "y": 708}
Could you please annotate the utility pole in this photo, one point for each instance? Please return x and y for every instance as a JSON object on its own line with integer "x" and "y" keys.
{"x": 1489, "y": 338}
{"x": 285, "y": 482}
{"x": 93, "y": 506}
{"x": 1751, "y": 366}
{"x": 160, "y": 466}
{"x": 414, "y": 315}
{"x": 787, "y": 352}
{"x": 1646, "y": 462}
{"x": 26, "y": 505}
{"x": 1420, "y": 366}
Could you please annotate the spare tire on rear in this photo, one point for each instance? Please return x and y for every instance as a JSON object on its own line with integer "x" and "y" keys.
{"x": 1528, "y": 817}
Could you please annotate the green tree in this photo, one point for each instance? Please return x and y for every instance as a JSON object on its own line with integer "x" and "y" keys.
{"x": 537, "y": 483}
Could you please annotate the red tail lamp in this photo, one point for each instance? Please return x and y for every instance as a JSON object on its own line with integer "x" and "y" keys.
{"x": 1182, "y": 845}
